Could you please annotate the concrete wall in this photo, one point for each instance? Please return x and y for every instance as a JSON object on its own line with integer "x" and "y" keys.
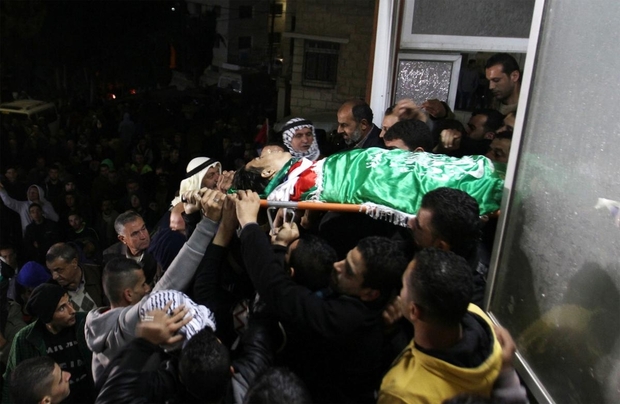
{"x": 352, "y": 20}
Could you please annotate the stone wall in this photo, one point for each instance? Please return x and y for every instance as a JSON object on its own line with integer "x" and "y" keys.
{"x": 343, "y": 19}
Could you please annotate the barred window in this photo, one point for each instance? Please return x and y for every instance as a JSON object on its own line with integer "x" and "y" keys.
{"x": 320, "y": 64}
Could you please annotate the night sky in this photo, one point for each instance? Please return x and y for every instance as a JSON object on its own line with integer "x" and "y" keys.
{"x": 124, "y": 42}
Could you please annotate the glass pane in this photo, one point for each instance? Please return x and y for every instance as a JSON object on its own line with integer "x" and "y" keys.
{"x": 422, "y": 80}
{"x": 498, "y": 18}
{"x": 558, "y": 284}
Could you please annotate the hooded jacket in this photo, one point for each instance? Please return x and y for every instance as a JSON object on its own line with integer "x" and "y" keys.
{"x": 471, "y": 366}
{"x": 21, "y": 207}
{"x": 109, "y": 330}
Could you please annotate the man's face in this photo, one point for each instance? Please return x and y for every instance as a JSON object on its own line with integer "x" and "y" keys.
{"x": 499, "y": 150}
{"x": 11, "y": 174}
{"x": 36, "y": 214}
{"x": 106, "y": 206}
{"x": 64, "y": 316}
{"x": 104, "y": 171}
{"x": 66, "y": 274}
{"x": 75, "y": 221}
{"x": 53, "y": 174}
{"x": 388, "y": 122}
{"x": 509, "y": 123}
{"x": 501, "y": 84}
{"x": 69, "y": 186}
{"x": 272, "y": 148}
{"x": 135, "y": 236}
{"x": 475, "y": 127}
{"x": 176, "y": 218}
{"x": 211, "y": 176}
{"x": 140, "y": 288}
{"x": 396, "y": 144}
{"x": 348, "y": 274}
{"x": 70, "y": 201}
{"x": 271, "y": 163}
{"x": 421, "y": 228}
{"x": 350, "y": 130}
{"x": 405, "y": 292}
{"x": 174, "y": 156}
{"x": 33, "y": 194}
{"x": 132, "y": 187}
{"x": 9, "y": 256}
{"x": 59, "y": 385}
{"x": 302, "y": 140}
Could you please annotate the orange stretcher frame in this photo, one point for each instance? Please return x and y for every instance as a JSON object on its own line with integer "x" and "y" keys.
{"x": 335, "y": 207}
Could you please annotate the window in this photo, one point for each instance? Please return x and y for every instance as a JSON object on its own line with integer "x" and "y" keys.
{"x": 245, "y": 11}
{"x": 245, "y": 42}
{"x": 320, "y": 64}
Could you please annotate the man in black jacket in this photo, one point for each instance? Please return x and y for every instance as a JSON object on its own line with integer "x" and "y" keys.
{"x": 338, "y": 331}
{"x": 356, "y": 127}
{"x": 202, "y": 372}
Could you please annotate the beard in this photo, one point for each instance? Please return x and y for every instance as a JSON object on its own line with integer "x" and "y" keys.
{"x": 355, "y": 137}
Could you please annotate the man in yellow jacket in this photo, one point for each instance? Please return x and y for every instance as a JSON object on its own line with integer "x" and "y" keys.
{"x": 454, "y": 350}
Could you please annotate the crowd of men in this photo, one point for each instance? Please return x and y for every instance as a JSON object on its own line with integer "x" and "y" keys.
{"x": 107, "y": 297}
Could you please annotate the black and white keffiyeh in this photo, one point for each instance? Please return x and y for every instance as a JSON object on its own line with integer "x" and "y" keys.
{"x": 288, "y": 131}
{"x": 202, "y": 316}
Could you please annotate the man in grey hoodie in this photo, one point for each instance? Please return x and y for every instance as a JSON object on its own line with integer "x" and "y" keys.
{"x": 109, "y": 329}
{"x": 35, "y": 194}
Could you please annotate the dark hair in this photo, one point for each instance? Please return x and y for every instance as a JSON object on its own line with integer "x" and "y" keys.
{"x": 385, "y": 263}
{"x": 455, "y": 219}
{"x": 250, "y": 178}
{"x": 61, "y": 250}
{"x": 123, "y": 219}
{"x": 204, "y": 367}
{"x": 75, "y": 213}
{"x": 277, "y": 385}
{"x": 443, "y": 124}
{"x": 360, "y": 110}
{"x": 442, "y": 284}
{"x": 313, "y": 261}
{"x": 32, "y": 380}
{"x": 505, "y": 134}
{"x": 7, "y": 246}
{"x": 118, "y": 274}
{"x": 413, "y": 133}
{"x": 34, "y": 204}
{"x": 54, "y": 167}
{"x": 509, "y": 64}
{"x": 495, "y": 119}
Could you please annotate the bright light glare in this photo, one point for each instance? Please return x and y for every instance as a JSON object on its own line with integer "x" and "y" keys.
{"x": 172, "y": 8}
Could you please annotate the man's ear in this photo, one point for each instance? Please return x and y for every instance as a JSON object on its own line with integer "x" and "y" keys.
{"x": 414, "y": 312}
{"x": 418, "y": 149}
{"x": 121, "y": 238}
{"x": 292, "y": 272}
{"x": 267, "y": 173}
{"x": 514, "y": 76}
{"x": 442, "y": 245}
{"x": 489, "y": 135}
{"x": 368, "y": 295}
{"x": 45, "y": 400}
{"x": 364, "y": 125}
{"x": 127, "y": 294}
